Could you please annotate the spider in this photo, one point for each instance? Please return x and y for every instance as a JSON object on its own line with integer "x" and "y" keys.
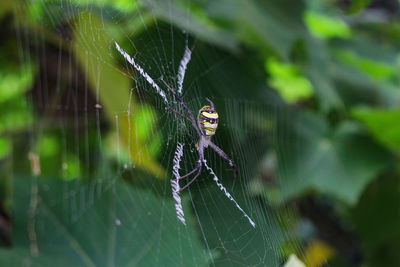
{"x": 205, "y": 126}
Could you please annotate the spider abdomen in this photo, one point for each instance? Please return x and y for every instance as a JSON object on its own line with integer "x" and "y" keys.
{"x": 207, "y": 120}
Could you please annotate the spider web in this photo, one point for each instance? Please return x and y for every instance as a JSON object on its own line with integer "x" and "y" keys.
{"x": 118, "y": 146}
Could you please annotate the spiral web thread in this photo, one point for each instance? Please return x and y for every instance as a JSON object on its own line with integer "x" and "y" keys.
{"x": 179, "y": 149}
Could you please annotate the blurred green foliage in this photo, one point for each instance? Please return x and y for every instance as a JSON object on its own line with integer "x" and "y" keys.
{"x": 292, "y": 86}
{"x": 320, "y": 85}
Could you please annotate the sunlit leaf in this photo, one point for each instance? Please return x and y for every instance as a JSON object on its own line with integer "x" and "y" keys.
{"x": 14, "y": 83}
{"x": 16, "y": 118}
{"x": 287, "y": 79}
{"x": 48, "y": 146}
{"x": 70, "y": 168}
{"x": 122, "y": 5}
{"x": 383, "y": 125}
{"x": 325, "y": 26}
{"x": 5, "y": 147}
{"x": 375, "y": 69}
{"x": 91, "y": 46}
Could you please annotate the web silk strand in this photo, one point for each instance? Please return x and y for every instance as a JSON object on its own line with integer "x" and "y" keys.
{"x": 227, "y": 194}
{"x": 142, "y": 72}
{"x": 175, "y": 183}
{"x": 182, "y": 68}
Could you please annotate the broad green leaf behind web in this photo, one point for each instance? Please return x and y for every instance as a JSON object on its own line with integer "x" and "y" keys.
{"x": 376, "y": 219}
{"x": 338, "y": 162}
{"x": 384, "y": 125}
{"x": 227, "y": 232}
{"x": 100, "y": 223}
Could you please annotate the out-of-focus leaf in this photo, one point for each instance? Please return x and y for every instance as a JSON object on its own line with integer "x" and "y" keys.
{"x": 317, "y": 70}
{"x": 48, "y": 146}
{"x": 105, "y": 222}
{"x": 377, "y": 70}
{"x": 358, "y": 6}
{"x": 365, "y": 72}
{"x": 324, "y": 26}
{"x": 21, "y": 256}
{"x": 383, "y": 124}
{"x": 144, "y": 123}
{"x": 377, "y": 220}
{"x": 195, "y": 21}
{"x": 293, "y": 261}
{"x": 267, "y": 25}
{"x": 91, "y": 45}
{"x": 357, "y": 88}
{"x": 121, "y": 5}
{"x": 338, "y": 162}
{"x": 5, "y": 6}
{"x": 287, "y": 79}
{"x": 70, "y": 168}
{"x": 5, "y": 147}
{"x": 15, "y": 115}
{"x": 14, "y": 83}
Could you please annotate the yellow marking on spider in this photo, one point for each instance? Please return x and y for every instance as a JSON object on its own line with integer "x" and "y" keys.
{"x": 210, "y": 115}
{"x": 210, "y": 129}
{"x": 211, "y": 125}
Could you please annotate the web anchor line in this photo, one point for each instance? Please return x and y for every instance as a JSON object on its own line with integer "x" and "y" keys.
{"x": 175, "y": 183}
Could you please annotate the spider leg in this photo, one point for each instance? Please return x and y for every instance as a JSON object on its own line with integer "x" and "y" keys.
{"x": 223, "y": 155}
{"x": 211, "y": 103}
{"x": 198, "y": 167}
{"x": 188, "y": 174}
{"x": 179, "y": 114}
{"x": 199, "y": 164}
{"x": 192, "y": 119}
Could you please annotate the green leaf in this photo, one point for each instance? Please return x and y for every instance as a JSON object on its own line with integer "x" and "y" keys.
{"x": 358, "y": 6}
{"x": 317, "y": 70}
{"x": 324, "y": 26}
{"x": 91, "y": 45}
{"x": 15, "y": 82}
{"x": 383, "y": 125}
{"x": 287, "y": 79}
{"x": 377, "y": 220}
{"x": 194, "y": 21}
{"x": 104, "y": 222}
{"x": 373, "y": 68}
{"x": 15, "y": 115}
{"x": 338, "y": 162}
{"x": 267, "y": 25}
{"x": 5, "y": 147}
